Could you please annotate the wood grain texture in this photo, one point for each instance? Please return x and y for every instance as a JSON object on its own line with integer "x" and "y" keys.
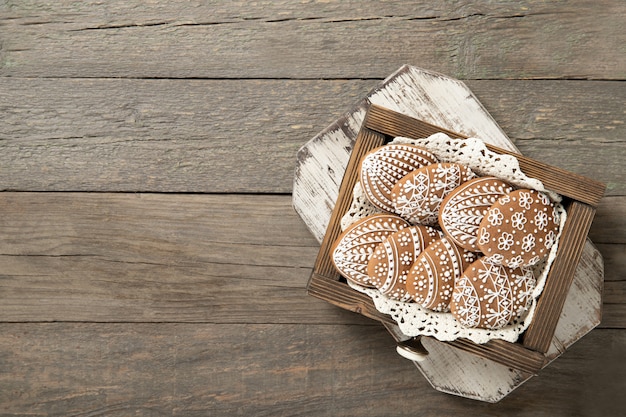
{"x": 283, "y": 39}
{"x": 263, "y": 370}
{"x": 175, "y": 304}
{"x": 185, "y": 135}
{"x": 125, "y": 257}
{"x": 158, "y": 257}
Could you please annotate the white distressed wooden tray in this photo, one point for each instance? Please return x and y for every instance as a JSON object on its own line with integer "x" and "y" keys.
{"x": 484, "y": 372}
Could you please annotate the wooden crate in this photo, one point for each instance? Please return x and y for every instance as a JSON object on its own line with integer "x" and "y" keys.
{"x": 581, "y": 197}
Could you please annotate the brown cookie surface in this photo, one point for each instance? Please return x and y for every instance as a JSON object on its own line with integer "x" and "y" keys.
{"x": 418, "y": 195}
{"x": 464, "y": 208}
{"x": 353, "y": 248}
{"x": 431, "y": 279}
{"x": 391, "y": 260}
{"x": 383, "y": 167}
{"x": 490, "y": 296}
{"x": 519, "y": 228}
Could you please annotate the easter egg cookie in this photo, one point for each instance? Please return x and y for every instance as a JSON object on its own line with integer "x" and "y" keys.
{"x": 432, "y": 276}
{"x": 383, "y": 167}
{"x": 353, "y": 248}
{"x": 519, "y": 228}
{"x": 490, "y": 296}
{"x": 418, "y": 195}
{"x": 391, "y": 260}
{"x": 464, "y": 208}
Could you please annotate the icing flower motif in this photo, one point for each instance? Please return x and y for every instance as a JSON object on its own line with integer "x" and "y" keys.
{"x": 448, "y": 178}
{"x": 484, "y": 237}
{"x": 506, "y": 241}
{"x": 518, "y": 220}
{"x": 541, "y": 220}
{"x": 515, "y": 262}
{"x": 525, "y": 200}
{"x": 556, "y": 215}
{"x": 550, "y": 239}
{"x": 505, "y": 199}
{"x": 528, "y": 242}
{"x": 495, "y": 217}
{"x": 534, "y": 260}
{"x": 406, "y": 259}
{"x": 495, "y": 259}
{"x": 544, "y": 199}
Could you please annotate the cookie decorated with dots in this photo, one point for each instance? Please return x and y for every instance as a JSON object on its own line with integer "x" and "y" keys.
{"x": 352, "y": 249}
{"x": 431, "y": 279}
{"x": 465, "y": 207}
{"x": 418, "y": 195}
{"x": 383, "y": 167}
{"x": 392, "y": 259}
{"x": 490, "y": 296}
{"x": 519, "y": 228}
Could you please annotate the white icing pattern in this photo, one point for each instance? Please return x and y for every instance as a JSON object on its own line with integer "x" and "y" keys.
{"x": 392, "y": 259}
{"x": 464, "y": 209}
{"x": 432, "y": 276}
{"x": 520, "y": 228}
{"x": 354, "y": 249}
{"x": 413, "y": 319}
{"x": 418, "y": 196}
{"x": 490, "y": 296}
{"x": 383, "y": 167}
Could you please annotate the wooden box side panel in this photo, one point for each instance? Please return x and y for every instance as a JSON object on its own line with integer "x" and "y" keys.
{"x": 366, "y": 140}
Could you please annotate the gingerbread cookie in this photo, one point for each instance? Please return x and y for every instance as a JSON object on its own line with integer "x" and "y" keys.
{"x": 391, "y": 260}
{"x": 353, "y": 248}
{"x": 383, "y": 167}
{"x": 418, "y": 195}
{"x": 464, "y": 208}
{"x": 490, "y": 296}
{"x": 431, "y": 279}
{"x": 519, "y": 229}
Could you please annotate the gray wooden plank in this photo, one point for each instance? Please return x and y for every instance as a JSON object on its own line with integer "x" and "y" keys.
{"x": 121, "y": 257}
{"x": 218, "y": 135}
{"x": 111, "y": 257}
{"x": 529, "y": 39}
{"x": 277, "y": 370}
{"x": 609, "y": 225}
{"x": 161, "y": 135}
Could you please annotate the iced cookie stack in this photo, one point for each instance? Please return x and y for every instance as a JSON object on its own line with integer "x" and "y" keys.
{"x": 446, "y": 239}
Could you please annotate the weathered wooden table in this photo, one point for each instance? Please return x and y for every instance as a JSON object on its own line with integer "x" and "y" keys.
{"x": 150, "y": 259}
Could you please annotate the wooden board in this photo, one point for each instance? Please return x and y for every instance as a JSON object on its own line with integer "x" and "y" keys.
{"x": 99, "y": 257}
{"x": 121, "y": 369}
{"x": 66, "y": 141}
{"x": 81, "y": 112}
{"x": 282, "y": 39}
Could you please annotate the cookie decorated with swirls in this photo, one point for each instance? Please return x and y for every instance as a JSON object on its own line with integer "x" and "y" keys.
{"x": 352, "y": 250}
{"x": 418, "y": 195}
{"x": 383, "y": 167}
{"x": 431, "y": 279}
{"x": 464, "y": 208}
{"x": 519, "y": 229}
{"x": 490, "y": 296}
{"x": 392, "y": 259}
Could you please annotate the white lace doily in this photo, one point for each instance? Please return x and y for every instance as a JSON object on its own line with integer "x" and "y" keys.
{"x": 414, "y": 320}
